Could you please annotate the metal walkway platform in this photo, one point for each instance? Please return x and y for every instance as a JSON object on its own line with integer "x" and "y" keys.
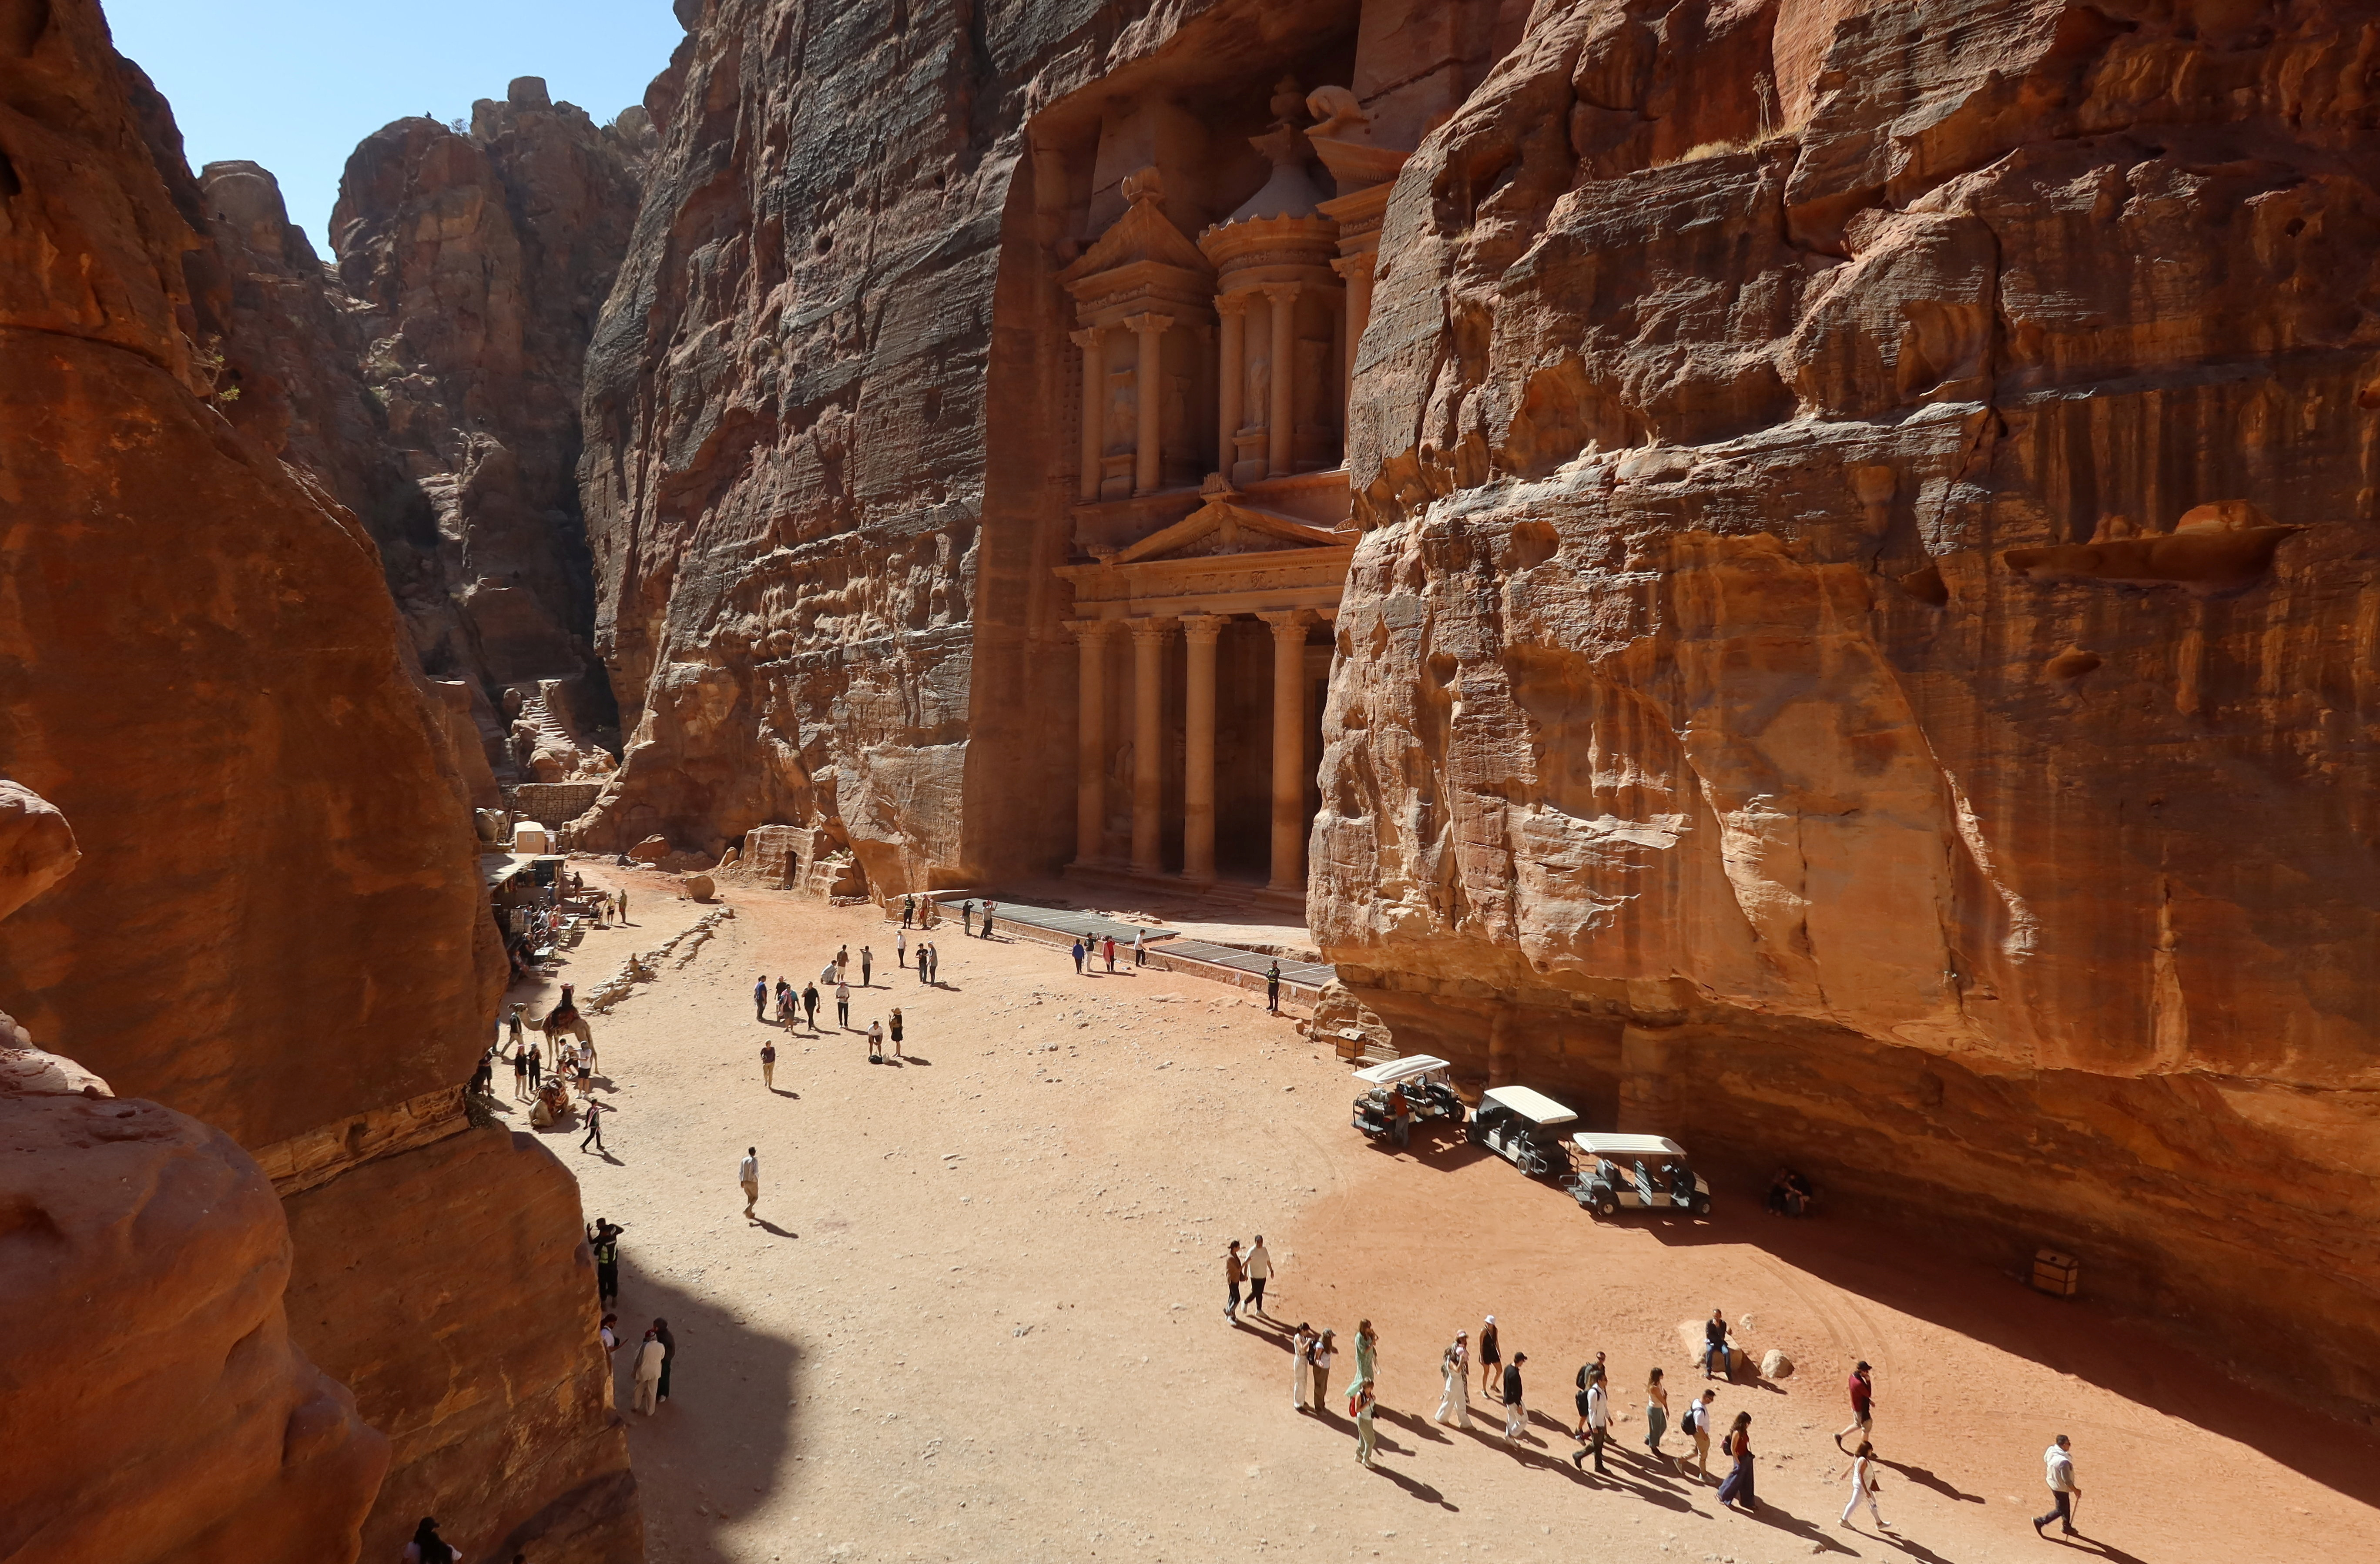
{"x": 1164, "y": 941}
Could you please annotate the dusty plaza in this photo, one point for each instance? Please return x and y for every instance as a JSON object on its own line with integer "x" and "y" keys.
{"x": 981, "y": 1315}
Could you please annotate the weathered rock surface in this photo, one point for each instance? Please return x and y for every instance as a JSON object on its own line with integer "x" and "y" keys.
{"x": 431, "y": 383}
{"x": 201, "y": 666}
{"x": 37, "y": 846}
{"x": 1777, "y": 702}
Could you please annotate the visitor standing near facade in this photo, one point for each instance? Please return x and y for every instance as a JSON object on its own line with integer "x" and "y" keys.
{"x": 1272, "y": 989}
{"x": 595, "y": 1111}
{"x": 1140, "y": 947}
{"x": 1367, "y": 1404}
{"x": 650, "y": 1354}
{"x": 1862, "y": 1394}
{"x": 760, "y": 997}
{"x": 1234, "y": 1272}
{"x": 988, "y": 908}
{"x": 966, "y": 918}
{"x": 1259, "y": 1272}
{"x": 1864, "y": 1485}
{"x": 1454, "y": 1369}
{"x": 1320, "y": 1355}
{"x": 603, "y": 1243}
{"x": 1110, "y": 946}
{"x": 1516, "y": 1414}
{"x": 843, "y": 1006}
{"x": 1079, "y": 958}
{"x": 894, "y": 1028}
{"x": 1301, "y": 1365}
{"x": 1491, "y": 1355}
{"x": 1715, "y": 1344}
{"x": 810, "y": 1003}
{"x": 669, "y": 1356}
{"x": 899, "y": 948}
{"x": 1737, "y": 1489}
{"x": 1698, "y": 1428}
{"x": 2063, "y": 1489}
{"x": 867, "y": 967}
{"x": 747, "y": 1173}
{"x": 769, "y": 1065}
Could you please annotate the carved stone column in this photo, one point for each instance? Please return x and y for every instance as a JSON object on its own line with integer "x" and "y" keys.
{"x": 1148, "y": 401}
{"x": 1280, "y": 396}
{"x": 1091, "y": 738}
{"x": 1233, "y": 381}
{"x": 1357, "y": 270}
{"x": 1199, "y": 631}
{"x": 1288, "y": 747}
{"x": 1148, "y": 637}
{"x": 1087, "y": 340}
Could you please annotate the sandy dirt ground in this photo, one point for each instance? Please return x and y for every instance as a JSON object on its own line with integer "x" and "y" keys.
{"x": 981, "y": 1314}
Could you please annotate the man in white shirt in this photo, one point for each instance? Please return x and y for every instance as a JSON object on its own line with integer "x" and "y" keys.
{"x": 1598, "y": 1425}
{"x": 1259, "y": 1267}
{"x": 2063, "y": 1489}
{"x": 648, "y": 1373}
{"x": 747, "y": 1173}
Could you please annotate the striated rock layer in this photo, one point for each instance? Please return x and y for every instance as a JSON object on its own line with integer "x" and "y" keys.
{"x": 202, "y": 667}
{"x": 1864, "y": 652}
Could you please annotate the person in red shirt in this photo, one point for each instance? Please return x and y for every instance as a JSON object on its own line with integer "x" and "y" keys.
{"x": 1863, "y": 1392}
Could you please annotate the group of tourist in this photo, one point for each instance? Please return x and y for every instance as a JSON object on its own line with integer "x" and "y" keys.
{"x": 1095, "y": 948}
{"x": 1313, "y": 1353}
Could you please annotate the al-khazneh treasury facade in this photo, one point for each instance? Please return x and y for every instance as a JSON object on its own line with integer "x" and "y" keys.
{"x": 1190, "y": 263}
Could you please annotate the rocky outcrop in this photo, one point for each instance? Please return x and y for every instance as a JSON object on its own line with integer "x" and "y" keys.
{"x": 431, "y": 383}
{"x": 1795, "y": 693}
{"x": 201, "y": 665}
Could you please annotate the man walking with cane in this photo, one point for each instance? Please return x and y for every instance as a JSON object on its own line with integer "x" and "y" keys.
{"x": 2063, "y": 1489}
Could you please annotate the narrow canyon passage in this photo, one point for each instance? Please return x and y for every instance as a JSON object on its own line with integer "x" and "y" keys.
{"x": 981, "y": 1319}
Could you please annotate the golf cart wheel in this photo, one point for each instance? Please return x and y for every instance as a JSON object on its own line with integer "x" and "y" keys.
{"x": 1701, "y": 1208}
{"x": 1605, "y": 1206}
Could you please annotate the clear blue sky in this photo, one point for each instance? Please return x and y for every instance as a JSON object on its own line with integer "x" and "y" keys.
{"x": 294, "y": 84}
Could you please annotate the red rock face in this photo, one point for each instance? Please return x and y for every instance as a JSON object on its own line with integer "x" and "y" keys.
{"x": 201, "y": 665}
{"x": 1789, "y": 696}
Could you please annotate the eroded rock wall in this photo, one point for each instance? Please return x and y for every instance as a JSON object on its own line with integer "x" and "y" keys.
{"x": 1791, "y": 694}
{"x": 823, "y": 583}
{"x": 201, "y": 666}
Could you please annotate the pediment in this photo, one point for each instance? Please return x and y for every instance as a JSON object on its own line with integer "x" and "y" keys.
{"x": 1142, "y": 235}
{"x": 1224, "y": 525}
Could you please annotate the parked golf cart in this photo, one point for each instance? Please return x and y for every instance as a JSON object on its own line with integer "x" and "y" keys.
{"x": 1524, "y": 1128}
{"x": 1428, "y": 1094}
{"x": 1636, "y": 1171}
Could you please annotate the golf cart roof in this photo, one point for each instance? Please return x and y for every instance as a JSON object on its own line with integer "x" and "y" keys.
{"x": 1531, "y": 1105}
{"x": 1626, "y": 1146}
{"x": 1397, "y": 1070}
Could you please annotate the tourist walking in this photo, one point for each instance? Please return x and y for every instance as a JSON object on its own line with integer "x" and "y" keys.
{"x": 1079, "y": 958}
{"x": 1259, "y": 1272}
{"x": 1454, "y": 1369}
{"x": 1715, "y": 1345}
{"x": 1365, "y": 1404}
{"x": 646, "y": 1369}
{"x": 895, "y": 1030}
{"x": 1272, "y": 988}
{"x": 760, "y": 997}
{"x": 1596, "y": 1418}
{"x": 1657, "y": 1414}
{"x": 843, "y": 1006}
{"x": 595, "y": 1111}
{"x": 1737, "y": 1489}
{"x": 1367, "y": 1353}
{"x": 1862, "y": 1394}
{"x": 603, "y": 1243}
{"x": 810, "y": 1004}
{"x": 867, "y": 967}
{"x": 769, "y": 1065}
{"x": 1320, "y": 1356}
{"x": 1516, "y": 1414}
{"x": 876, "y": 1042}
{"x": 1491, "y": 1355}
{"x": 747, "y": 1173}
{"x": 669, "y": 1356}
{"x": 1697, "y": 1426}
{"x": 521, "y": 1072}
{"x": 1301, "y": 1365}
{"x": 2063, "y": 1489}
{"x": 1234, "y": 1272}
{"x": 900, "y": 948}
{"x": 427, "y": 1546}
{"x": 786, "y": 1001}
{"x": 1864, "y": 1485}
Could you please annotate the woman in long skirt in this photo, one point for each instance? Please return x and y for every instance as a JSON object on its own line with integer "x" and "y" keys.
{"x": 1301, "y": 1368}
{"x": 1657, "y": 1414}
{"x": 1737, "y": 1489}
{"x": 1455, "y": 1367}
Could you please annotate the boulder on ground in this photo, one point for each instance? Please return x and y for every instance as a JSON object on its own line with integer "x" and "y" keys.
{"x": 700, "y": 887}
{"x": 1775, "y": 1364}
{"x": 651, "y": 850}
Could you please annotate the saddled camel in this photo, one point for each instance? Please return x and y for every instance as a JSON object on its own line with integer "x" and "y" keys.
{"x": 564, "y": 1021}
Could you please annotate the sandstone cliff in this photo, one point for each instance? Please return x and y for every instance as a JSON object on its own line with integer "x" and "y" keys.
{"x": 431, "y": 383}
{"x": 1864, "y": 652}
{"x": 200, "y": 664}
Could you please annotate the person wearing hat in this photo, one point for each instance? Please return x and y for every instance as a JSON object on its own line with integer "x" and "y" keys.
{"x": 1491, "y": 1355}
{"x": 1863, "y": 1392}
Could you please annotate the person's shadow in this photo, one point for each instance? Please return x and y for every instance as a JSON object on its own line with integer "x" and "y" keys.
{"x": 1926, "y": 1479}
{"x": 1414, "y": 1423}
{"x": 1419, "y": 1490}
{"x": 780, "y": 1091}
{"x": 765, "y": 1225}
{"x": 1767, "y": 1514}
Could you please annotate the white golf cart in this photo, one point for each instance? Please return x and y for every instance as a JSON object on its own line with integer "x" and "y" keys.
{"x": 1638, "y": 1171}
{"x": 1427, "y": 1094}
{"x": 1523, "y": 1127}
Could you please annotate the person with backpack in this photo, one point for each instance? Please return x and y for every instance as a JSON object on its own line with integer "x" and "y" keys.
{"x": 1737, "y": 1489}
